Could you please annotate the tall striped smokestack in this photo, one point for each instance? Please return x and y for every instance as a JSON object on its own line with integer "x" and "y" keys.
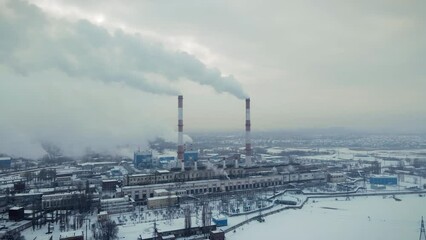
{"x": 248, "y": 130}
{"x": 180, "y": 133}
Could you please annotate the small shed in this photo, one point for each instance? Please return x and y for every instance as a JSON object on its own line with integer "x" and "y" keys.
{"x": 16, "y": 214}
{"x": 217, "y": 235}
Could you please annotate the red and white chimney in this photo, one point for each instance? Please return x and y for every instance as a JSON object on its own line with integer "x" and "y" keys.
{"x": 180, "y": 150}
{"x": 248, "y": 130}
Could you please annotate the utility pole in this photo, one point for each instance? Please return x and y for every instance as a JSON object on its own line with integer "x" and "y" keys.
{"x": 87, "y": 219}
{"x": 422, "y": 230}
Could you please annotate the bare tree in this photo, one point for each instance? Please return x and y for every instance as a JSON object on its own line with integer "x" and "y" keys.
{"x": 105, "y": 230}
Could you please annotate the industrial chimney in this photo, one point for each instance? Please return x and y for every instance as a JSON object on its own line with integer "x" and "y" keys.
{"x": 180, "y": 133}
{"x": 248, "y": 129}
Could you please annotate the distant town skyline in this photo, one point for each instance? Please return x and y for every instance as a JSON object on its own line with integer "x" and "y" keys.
{"x": 81, "y": 73}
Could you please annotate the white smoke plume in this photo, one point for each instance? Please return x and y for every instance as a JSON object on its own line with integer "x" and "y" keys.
{"x": 78, "y": 86}
{"x": 31, "y": 42}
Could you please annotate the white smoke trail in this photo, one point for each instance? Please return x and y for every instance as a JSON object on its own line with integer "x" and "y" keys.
{"x": 33, "y": 42}
{"x": 73, "y": 84}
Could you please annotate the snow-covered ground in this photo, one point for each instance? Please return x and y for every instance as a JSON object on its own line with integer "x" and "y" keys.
{"x": 360, "y": 218}
{"x": 327, "y": 218}
{"x": 350, "y": 154}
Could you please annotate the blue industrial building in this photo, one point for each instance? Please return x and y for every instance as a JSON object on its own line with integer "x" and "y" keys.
{"x": 143, "y": 160}
{"x": 166, "y": 159}
{"x": 384, "y": 180}
{"x": 5, "y": 162}
{"x": 220, "y": 221}
{"x": 190, "y": 157}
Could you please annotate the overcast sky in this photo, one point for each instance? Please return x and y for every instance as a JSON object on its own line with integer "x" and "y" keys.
{"x": 101, "y": 74}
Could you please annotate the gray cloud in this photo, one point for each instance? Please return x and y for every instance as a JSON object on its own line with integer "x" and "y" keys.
{"x": 33, "y": 42}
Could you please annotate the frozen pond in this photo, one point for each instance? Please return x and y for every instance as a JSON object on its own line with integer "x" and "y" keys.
{"x": 360, "y": 218}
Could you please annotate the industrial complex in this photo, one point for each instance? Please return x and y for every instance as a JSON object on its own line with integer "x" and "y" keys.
{"x": 194, "y": 192}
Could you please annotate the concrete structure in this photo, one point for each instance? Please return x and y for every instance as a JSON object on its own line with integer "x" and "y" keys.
{"x": 164, "y": 176}
{"x": 24, "y": 199}
{"x": 64, "y": 180}
{"x": 180, "y": 150}
{"x": 336, "y": 177}
{"x": 61, "y": 201}
{"x": 16, "y": 213}
{"x": 142, "y": 192}
{"x": 109, "y": 185}
{"x": 117, "y": 205}
{"x": 168, "y": 237}
{"x": 217, "y": 235}
{"x": 103, "y": 216}
{"x": 162, "y": 201}
{"x": 161, "y": 192}
{"x": 248, "y": 137}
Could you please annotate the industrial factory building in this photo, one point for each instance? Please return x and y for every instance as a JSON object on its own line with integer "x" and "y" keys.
{"x": 117, "y": 205}
{"x": 143, "y": 160}
{"x": 336, "y": 177}
{"x": 5, "y": 162}
{"x": 60, "y": 200}
{"x": 384, "y": 180}
{"x": 142, "y": 192}
{"x": 190, "y": 179}
{"x": 162, "y": 198}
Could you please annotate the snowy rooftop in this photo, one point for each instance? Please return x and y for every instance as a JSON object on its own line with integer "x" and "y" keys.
{"x": 97, "y": 163}
{"x": 16, "y": 208}
{"x": 162, "y": 197}
{"x": 71, "y": 234}
{"x": 159, "y": 191}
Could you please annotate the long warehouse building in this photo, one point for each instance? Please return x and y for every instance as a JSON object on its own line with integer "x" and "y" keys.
{"x": 142, "y": 192}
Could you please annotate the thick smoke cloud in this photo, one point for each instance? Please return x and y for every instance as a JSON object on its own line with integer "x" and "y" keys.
{"x": 79, "y": 116}
{"x": 77, "y": 86}
{"x": 33, "y": 42}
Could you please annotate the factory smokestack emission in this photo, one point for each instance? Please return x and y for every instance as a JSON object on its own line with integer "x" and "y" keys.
{"x": 248, "y": 129}
{"x": 180, "y": 133}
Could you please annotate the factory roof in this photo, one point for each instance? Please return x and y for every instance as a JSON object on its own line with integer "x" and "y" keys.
{"x": 161, "y": 191}
{"x": 15, "y": 208}
{"x": 383, "y": 176}
{"x": 110, "y": 180}
{"x": 139, "y": 175}
{"x": 168, "y": 237}
{"x": 70, "y": 234}
{"x": 162, "y": 197}
{"x": 112, "y": 200}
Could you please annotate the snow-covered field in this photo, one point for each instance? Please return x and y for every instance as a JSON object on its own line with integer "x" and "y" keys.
{"x": 360, "y": 218}
{"x": 349, "y": 154}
